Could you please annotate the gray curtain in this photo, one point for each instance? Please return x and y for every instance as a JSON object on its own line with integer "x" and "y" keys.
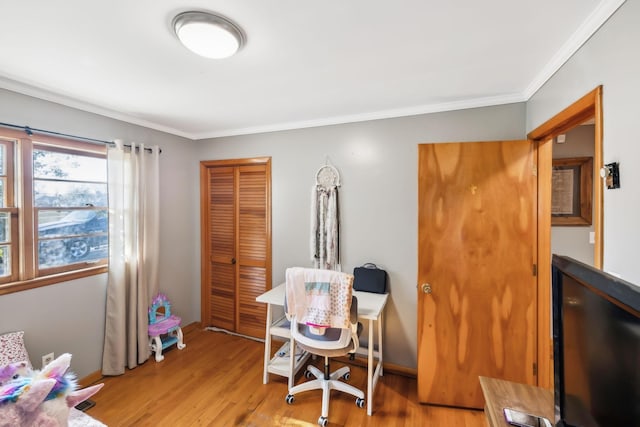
{"x": 133, "y": 254}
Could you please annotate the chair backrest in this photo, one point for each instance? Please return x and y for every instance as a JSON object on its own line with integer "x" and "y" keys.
{"x": 324, "y": 313}
{"x": 330, "y": 334}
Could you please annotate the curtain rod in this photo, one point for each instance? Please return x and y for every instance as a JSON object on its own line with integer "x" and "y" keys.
{"x": 30, "y": 131}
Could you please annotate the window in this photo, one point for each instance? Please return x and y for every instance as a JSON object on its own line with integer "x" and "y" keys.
{"x": 53, "y": 210}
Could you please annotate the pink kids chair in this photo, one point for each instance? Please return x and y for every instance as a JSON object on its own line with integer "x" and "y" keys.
{"x": 164, "y": 327}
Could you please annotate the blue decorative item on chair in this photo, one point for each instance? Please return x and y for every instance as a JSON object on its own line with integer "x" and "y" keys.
{"x": 164, "y": 327}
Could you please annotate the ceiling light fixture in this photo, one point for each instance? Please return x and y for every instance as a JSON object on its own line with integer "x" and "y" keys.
{"x": 207, "y": 34}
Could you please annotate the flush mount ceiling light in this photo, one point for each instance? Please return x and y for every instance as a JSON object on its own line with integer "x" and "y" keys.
{"x": 207, "y": 34}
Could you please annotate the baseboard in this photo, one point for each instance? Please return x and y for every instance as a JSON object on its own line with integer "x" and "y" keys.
{"x": 90, "y": 379}
{"x": 388, "y": 367}
{"x": 191, "y": 327}
{"x": 400, "y": 370}
{"x": 96, "y": 376}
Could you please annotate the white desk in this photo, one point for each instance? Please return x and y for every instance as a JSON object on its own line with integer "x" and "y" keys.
{"x": 370, "y": 307}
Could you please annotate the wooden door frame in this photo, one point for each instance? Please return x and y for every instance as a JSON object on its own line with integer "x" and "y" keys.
{"x": 205, "y": 307}
{"x": 589, "y": 106}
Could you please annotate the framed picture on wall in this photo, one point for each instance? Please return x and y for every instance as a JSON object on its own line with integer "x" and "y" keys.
{"x": 572, "y": 191}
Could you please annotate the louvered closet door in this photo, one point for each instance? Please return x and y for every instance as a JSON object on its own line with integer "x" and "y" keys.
{"x": 236, "y": 243}
{"x": 252, "y": 248}
{"x": 222, "y": 241}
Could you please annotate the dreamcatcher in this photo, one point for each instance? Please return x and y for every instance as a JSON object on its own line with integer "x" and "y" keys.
{"x": 325, "y": 219}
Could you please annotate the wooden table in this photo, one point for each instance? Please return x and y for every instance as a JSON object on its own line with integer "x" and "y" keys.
{"x": 500, "y": 394}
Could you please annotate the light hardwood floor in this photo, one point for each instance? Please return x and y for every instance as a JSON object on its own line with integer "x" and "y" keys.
{"x": 217, "y": 381}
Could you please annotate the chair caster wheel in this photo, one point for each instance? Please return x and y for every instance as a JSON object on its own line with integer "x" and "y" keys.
{"x": 323, "y": 421}
{"x": 360, "y": 402}
{"x": 289, "y": 399}
{"x": 308, "y": 374}
{"x": 347, "y": 376}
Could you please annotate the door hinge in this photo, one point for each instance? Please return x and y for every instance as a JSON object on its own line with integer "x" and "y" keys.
{"x": 535, "y": 369}
{"x": 535, "y": 269}
{"x": 534, "y": 170}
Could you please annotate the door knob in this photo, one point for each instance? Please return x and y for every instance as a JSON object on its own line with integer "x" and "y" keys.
{"x": 233, "y": 260}
{"x": 426, "y": 288}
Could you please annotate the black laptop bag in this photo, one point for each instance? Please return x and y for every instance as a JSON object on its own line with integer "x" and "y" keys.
{"x": 370, "y": 278}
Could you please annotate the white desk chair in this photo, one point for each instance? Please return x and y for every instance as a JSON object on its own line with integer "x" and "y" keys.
{"x": 327, "y": 342}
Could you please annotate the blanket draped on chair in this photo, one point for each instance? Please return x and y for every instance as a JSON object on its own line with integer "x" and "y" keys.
{"x": 319, "y": 298}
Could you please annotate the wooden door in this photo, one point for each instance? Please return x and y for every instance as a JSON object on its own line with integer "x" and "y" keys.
{"x": 254, "y": 255}
{"x": 221, "y": 273}
{"x": 236, "y": 243}
{"x": 477, "y": 254}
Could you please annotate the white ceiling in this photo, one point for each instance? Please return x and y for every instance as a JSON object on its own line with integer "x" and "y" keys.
{"x": 305, "y": 63}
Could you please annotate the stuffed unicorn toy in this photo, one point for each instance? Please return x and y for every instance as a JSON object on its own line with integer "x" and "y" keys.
{"x": 14, "y": 371}
{"x": 40, "y": 398}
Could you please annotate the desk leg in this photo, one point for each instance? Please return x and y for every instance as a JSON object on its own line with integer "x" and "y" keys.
{"x": 267, "y": 347}
{"x": 373, "y": 371}
{"x": 380, "y": 346}
{"x": 292, "y": 362}
{"x": 370, "y": 370}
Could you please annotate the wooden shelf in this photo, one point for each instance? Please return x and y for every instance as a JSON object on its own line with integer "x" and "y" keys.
{"x": 500, "y": 394}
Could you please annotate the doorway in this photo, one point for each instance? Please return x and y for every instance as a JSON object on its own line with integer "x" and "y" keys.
{"x": 572, "y": 193}
{"x": 586, "y": 108}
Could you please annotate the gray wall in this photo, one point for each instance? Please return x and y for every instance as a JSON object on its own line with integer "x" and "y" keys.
{"x": 69, "y": 316}
{"x": 573, "y": 241}
{"x": 610, "y": 58}
{"x": 378, "y": 164}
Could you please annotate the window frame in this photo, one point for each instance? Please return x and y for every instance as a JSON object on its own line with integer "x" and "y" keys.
{"x": 25, "y": 273}
{"x": 9, "y": 203}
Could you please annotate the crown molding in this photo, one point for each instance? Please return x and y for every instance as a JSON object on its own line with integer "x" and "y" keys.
{"x": 47, "y": 95}
{"x": 594, "y": 21}
{"x": 377, "y": 115}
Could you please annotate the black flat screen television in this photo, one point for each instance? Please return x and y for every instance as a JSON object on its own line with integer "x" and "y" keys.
{"x": 596, "y": 344}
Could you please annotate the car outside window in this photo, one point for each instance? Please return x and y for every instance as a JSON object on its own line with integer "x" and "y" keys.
{"x": 77, "y": 236}
{"x": 78, "y": 183}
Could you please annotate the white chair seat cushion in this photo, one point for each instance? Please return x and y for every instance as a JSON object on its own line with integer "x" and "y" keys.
{"x": 335, "y": 342}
